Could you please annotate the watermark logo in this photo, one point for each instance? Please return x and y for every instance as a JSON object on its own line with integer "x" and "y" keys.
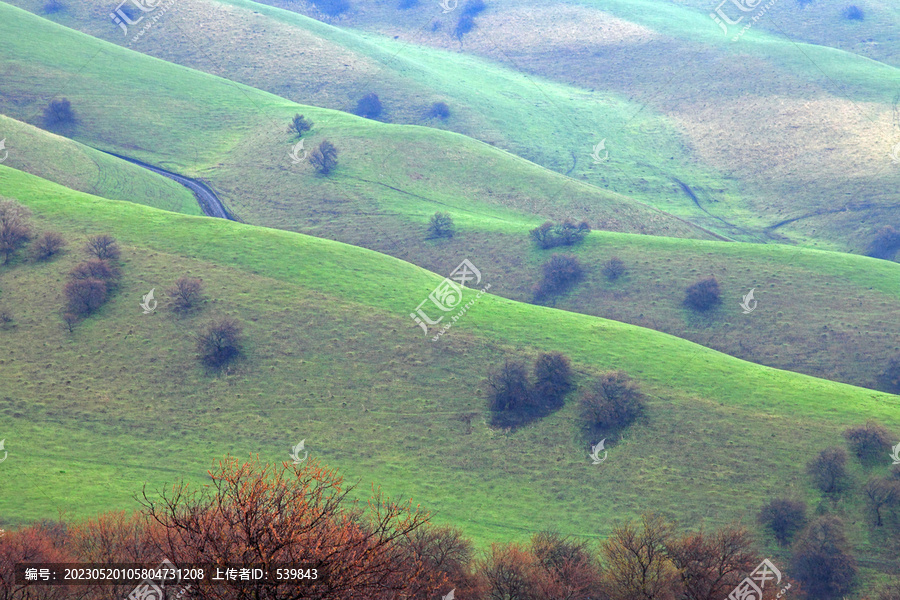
{"x": 3, "y": 148}
{"x": 447, "y": 297}
{"x": 295, "y": 153}
{"x": 743, "y": 6}
{"x": 122, "y": 19}
{"x": 147, "y": 299}
{"x": 595, "y": 453}
{"x": 895, "y": 455}
{"x": 752, "y": 587}
{"x": 5, "y": 453}
{"x": 895, "y": 153}
{"x": 149, "y": 589}
{"x": 447, "y": 597}
{"x": 447, "y": 6}
{"x": 745, "y": 304}
{"x": 295, "y": 453}
{"x": 596, "y": 153}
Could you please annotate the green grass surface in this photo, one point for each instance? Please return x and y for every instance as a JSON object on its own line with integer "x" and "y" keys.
{"x": 332, "y": 357}
{"x": 391, "y": 178}
{"x": 81, "y": 168}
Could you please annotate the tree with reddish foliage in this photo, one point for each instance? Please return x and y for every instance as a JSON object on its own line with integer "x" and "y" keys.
{"x": 96, "y": 269}
{"x": 711, "y": 566}
{"x": 255, "y": 513}
{"x": 38, "y": 544}
{"x": 85, "y": 296}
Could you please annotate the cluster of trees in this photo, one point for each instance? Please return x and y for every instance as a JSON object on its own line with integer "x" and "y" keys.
{"x": 257, "y": 513}
{"x": 550, "y": 235}
{"x": 611, "y": 403}
{"x": 92, "y": 281}
{"x": 324, "y": 156}
{"x": 821, "y": 558}
{"x": 515, "y": 400}
{"x": 870, "y": 443}
{"x": 466, "y": 22}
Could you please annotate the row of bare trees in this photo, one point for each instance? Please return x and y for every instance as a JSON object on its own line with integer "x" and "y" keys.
{"x": 252, "y": 513}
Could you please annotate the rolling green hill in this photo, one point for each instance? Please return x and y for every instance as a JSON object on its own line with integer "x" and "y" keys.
{"x": 783, "y": 129}
{"x": 82, "y": 168}
{"x": 332, "y": 357}
{"x": 838, "y": 308}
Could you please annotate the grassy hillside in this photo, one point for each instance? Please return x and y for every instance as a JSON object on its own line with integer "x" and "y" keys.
{"x": 333, "y": 358}
{"x": 82, "y": 168}
{"x": 551, "y": 124}
{"x": 793, "y": 130}
{"x": 391, "y": 178}
{"x": 236, "y": 139}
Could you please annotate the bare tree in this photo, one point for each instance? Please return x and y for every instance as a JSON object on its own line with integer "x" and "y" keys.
{"x": 300, "y": 124}
{"x": 97, "y": 269}
{"x": 784, "y": 517}
{"x": 324, "y": 157}
{"x": 869, "y": 442}
{"x": 614, "y": 402}
{"x": 614, "y": 268}
{"x": 881, "y": 495}
{"x": 710, "y": 566}
{"x": 508, "y": 387}
{"x": 255, "y": 513}
{"x": 103, "y": 247}
{"x": 186, "y": 293}
{"x": 48, "y": 245}
{"x": 703, "y": 295}
{"x": 15, "y": 231}
{"x": 219, "y": 342}
{"x": 821, "y": 560}
{"x": 829, "y": 469}
{"x": 85, "y": 295}
{"x": 637, "y": 565}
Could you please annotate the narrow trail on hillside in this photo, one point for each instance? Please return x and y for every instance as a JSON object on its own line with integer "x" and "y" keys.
{"x": 853, "y": 207}
{"x": 690, "y": 194}
{"x": 206, "y": 198}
